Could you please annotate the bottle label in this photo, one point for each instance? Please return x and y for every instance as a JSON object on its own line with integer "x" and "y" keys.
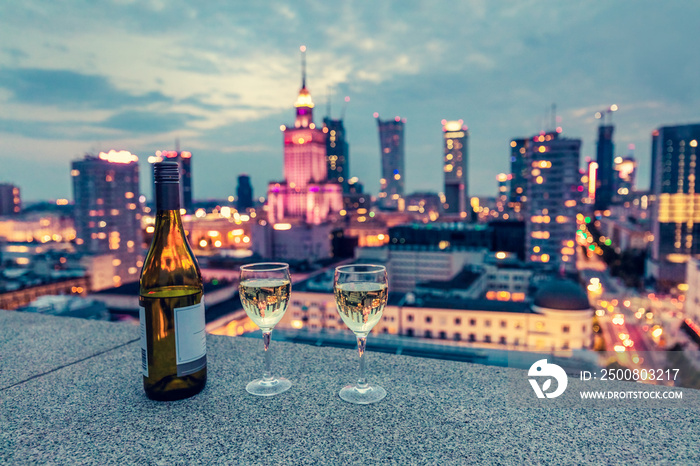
{"x": 144, "y": 342}
{"x": 190, "y": 339}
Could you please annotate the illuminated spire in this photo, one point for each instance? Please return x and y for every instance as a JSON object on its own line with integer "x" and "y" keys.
{"x": 304, "y": 104}
{"x": 303, "y": 66}
{"x": 304, "y": 98}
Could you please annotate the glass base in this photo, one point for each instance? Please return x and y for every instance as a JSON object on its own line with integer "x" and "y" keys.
{"x": 362, "y": 396}
{"x": 261, "y": 387}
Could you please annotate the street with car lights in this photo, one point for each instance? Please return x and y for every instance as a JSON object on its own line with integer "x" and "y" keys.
{"x": 637, "y": 328}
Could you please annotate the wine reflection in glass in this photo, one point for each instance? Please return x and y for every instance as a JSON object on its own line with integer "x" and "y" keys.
{"x": 264, "y": 289}
{"x": 361, "y": 293}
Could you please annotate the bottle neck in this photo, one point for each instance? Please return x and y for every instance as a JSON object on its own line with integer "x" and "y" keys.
{"x": 168, "y": 196}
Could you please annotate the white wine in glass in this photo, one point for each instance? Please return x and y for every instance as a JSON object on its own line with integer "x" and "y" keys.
{"x": 361, "y": 293}
{"x": 264, "y": 289}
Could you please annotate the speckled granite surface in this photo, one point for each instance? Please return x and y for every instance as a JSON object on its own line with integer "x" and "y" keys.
{"x": 34, "y": 344}
{"x": 93, "y": 410}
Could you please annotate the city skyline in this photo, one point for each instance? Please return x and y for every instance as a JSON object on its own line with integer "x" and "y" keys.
{"x": 119, "y": 77}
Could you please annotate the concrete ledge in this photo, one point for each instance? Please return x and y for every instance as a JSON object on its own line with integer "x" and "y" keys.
{"x": 33, "y": 344}
{"x": 94, "y": 410}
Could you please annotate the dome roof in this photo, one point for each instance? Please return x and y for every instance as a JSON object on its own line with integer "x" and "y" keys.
{"x": 562, "y": 295}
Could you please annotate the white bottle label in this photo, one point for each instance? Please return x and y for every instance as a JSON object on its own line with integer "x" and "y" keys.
{"x": 144, "y": 342}
{"x": 190, "y": 339}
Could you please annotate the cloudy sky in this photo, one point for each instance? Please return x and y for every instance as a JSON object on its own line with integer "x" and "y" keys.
{"x": 83, "y": 76}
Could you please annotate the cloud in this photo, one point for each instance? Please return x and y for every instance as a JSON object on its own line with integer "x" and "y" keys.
{"x": 14, "y": 53}
{"x": 70, "y": 89}
{"x": 131, "y": 72}
{"x": 133, "y": 121}
{"x": 119, "y": 125}
{"x": 199, "y": 102}
{"x": 51, "y": 130}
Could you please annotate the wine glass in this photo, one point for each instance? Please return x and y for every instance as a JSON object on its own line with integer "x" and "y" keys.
{"x": 264, "y": 289}
{"x": 360, "y": 295}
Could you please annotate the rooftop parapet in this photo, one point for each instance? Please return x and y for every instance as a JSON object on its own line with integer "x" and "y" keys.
{"x": 70, "y": 392}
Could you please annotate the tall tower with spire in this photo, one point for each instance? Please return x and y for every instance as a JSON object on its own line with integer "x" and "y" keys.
{"x": 305, "y": 194}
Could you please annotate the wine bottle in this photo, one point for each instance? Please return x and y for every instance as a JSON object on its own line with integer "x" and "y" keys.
{"x": 171, "y": 305}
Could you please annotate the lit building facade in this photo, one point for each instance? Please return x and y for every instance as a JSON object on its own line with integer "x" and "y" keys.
{"x": 337, "y": 153}
{"x": 455, "y": 166}
{"x": 10, "y": 201}
{"x": 39, "y": 227}
{"x": 519, "y": 172}
{"x": 391, "y": 145}
{"x": 244, "y": 193}
{"x": 675, "y": 213}
{"x": 554, "y": 190}
{"x": 605, "y": 180}
{"x": 184, "y": 160}
{"x": 297, "y": 241}
{"x": 551, "y": 323}
{"x": 625, "y": 169}
{"x": 305, "y": 194}
{"x": 691, "y": 305}
{"x": 591, "y": 182}
{"x": 424, "y": 204}
{"x": 502, "y": 199}
{"x": 107, "y": 213}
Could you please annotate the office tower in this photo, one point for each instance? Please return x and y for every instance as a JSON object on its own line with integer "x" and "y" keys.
{"x": 591, "y": 181}
{"x": 244, "y": 193}
{"x": 519, "y": 170}
{"x": 455, "y": 166}
{"x": 107, "y": 214}
{"x": 186, "y": 179}
{"x": 10, "y": 202}
{"x": 337, "y": 151}
{"x": 554, "y": 191}
{"x": 184, "y": 160}
{"x": 604, "y": 159}
{"x": 675, "y": 215}
{"x": 305, "y": 194}
{"x": 393, "y": 161}
{"x": 625, "y": 170}
{"x": 502, "y": 198}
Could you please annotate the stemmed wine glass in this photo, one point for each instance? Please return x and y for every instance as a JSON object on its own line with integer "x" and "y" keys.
{"x": 264, "y": 289}
{"x": 360, "y": 295}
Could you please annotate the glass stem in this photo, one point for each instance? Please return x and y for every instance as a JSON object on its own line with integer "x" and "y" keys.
{"x": 267, "y": 373}
{"x": 362, "y": 381}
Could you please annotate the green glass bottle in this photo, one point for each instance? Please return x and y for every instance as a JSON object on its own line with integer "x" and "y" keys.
{"x": 171, "y": 305}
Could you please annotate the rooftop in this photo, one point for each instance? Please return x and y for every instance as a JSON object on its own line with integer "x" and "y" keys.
{"x": 563, "y": 295}
{"x": 71, "y": 392}
{"x": 437, "y": 302}
{"x": 132, "y": 288}
{"x": 461, "y": 281}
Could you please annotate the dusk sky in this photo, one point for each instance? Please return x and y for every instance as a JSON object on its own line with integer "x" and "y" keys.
{"x": 82, "y": 76}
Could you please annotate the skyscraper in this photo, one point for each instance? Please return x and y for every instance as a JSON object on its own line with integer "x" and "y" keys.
{"x": 391, "y": 145}
{"x": 337, "y": 152}
{"x": 455, "y": 166}
{"x": 675, "y": 215}
{"x": 519, "y": 170}
{"x": 305, "y": 193}
{"x": 552, "y": 194}
{"x": 502, "y": 199}
{"x": 244, "y": 192}
{"x": 184, "y": 160}
{"x": 10, "y": 202}
{"x": 625, "y": 170}
{"x": 605, "y": 183}
{"x": 107, "y": 215}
